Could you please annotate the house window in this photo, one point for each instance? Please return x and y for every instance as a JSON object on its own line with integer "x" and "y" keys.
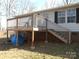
{"x": 71, "y": 16}
{"x": 61, "y": 17}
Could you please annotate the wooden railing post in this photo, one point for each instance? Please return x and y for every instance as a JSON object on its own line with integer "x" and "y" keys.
{"x": 32, "y": 44}
{"x": 7, "y": 29}
{"x": 69, "y": 37}
{"x": 17, "y": 31}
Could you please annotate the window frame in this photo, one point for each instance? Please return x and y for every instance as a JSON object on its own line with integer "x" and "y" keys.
{"x": 60, "y": 16}
{"x": 74, "y": 15}
{"x": 66, "y": 16}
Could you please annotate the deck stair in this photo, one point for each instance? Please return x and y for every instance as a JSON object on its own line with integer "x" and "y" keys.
{"x": 58, "y": 35}
{"x": 60, "y": 32}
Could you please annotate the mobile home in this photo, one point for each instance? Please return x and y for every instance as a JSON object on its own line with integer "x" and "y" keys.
{"x": 61, "y": 22}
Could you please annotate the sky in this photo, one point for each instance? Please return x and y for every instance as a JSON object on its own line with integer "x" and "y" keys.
{"x": 38, "y": 2}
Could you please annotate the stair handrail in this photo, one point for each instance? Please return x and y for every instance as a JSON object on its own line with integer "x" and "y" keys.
{"x": 46, "y": 19}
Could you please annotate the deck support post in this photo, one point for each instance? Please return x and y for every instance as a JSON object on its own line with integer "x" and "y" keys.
{"x": 7, "y": 29}
{"x": 46, "y": 41}
{"x": 69, "y": 38}
{"x": 32, "y": 44}
{"x": 17, "y": 31}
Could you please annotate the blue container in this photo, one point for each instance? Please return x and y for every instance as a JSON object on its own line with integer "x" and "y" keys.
{"x": 20, "y": 40}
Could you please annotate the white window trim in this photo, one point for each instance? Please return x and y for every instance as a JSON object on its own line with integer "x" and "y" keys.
{"x": 67, "y": 16}
{"x": 66, "y": 20}
{"x": 64, "y": 16}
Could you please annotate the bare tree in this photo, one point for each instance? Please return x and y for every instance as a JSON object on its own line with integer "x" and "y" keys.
{"x": 11, "y": 8}
{"x": 56, "y": 3}
{"x": 67, "y": 2}
{"x": 49, "y": 3}
{"x": 7, "y": 7}
{"x": 28, "y": 6}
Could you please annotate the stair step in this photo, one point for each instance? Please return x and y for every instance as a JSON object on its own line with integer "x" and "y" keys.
{"x": 59, "y": 36}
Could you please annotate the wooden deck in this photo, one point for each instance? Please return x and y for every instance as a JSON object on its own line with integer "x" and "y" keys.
{"x": 20, "y": 29}
{"x": 25, "y": 29}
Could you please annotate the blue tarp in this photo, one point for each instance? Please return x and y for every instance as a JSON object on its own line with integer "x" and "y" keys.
{"x": 19, "y": 41}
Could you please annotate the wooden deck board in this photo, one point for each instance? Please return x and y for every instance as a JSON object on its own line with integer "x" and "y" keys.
{"x": 24, "y": 29}
{"x": 20, "y": 29}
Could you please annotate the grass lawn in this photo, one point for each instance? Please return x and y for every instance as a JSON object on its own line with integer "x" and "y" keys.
{"x": 42, "y": 51}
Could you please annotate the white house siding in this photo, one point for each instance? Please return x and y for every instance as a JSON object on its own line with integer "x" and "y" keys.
{"x": 51, "y": 25}
{"x": 59, "y": 27}
{"x": 51, "y": 16}
{"x": 74, "y": 27}
{"x": 23, "y": 21}
{"x": 40, "y": 19}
